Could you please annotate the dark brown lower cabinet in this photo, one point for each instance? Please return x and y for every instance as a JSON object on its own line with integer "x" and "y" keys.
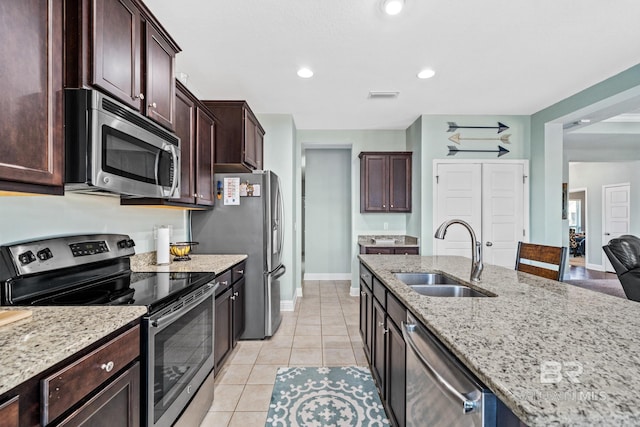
{"x": 9, "y": 412}
{"x": 381, "y": 317}
{"x": 401, "y": 250}
{"x": 396, "y": 374}
{"x": 223, "y": 334}
{"x": 238, "y": 310}
{"x": 366, "y": 316}
{"x": 118, "y": 404}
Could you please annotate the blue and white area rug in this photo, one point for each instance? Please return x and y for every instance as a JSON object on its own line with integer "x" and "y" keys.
{"x": 324, "y": 397}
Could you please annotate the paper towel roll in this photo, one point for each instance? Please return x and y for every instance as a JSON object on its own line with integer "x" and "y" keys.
{"x": 162, "y": 246}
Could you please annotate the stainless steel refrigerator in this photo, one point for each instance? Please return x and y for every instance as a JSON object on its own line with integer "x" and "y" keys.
{"x": 251, "y": 224}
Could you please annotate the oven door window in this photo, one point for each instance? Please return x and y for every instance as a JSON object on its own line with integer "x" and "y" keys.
{"x": 180, "y": 350}
{"x": 129, "y": 157}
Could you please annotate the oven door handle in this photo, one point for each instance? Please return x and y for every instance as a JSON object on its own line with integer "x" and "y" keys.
{"x": 165, "y": 320}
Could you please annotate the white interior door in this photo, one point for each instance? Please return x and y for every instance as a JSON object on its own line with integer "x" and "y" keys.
{"x": 616, "y": 219}
{"x": 458, "y": 196}
{"x": 503, "y": 191}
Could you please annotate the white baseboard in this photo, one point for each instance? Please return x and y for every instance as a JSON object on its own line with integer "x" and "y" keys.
{"x": 327, "y": 276}
{"x": 287, "y": 305}
{"x": 299, "y": 292}
{"x": 596, "y": 267}
{"x": 354, "y": 292}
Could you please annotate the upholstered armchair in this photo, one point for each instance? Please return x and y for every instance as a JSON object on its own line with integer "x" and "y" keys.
{"x": 624, "y": 254}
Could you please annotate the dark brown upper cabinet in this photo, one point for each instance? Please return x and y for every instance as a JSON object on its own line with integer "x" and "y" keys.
{"x": 31, "y": 105}
{"x": 196, "y": 126}
{"x": 385, "y": 181}
{"x": 119, "y": 47}
{"x": 239, "y": 137}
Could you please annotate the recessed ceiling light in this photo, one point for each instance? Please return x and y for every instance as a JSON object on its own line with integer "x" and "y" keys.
{"x": 585, "y": 120}
{"x": 426, "y": 74}
{"x": 392, "y": 7}
{"x": 305, "y": 73}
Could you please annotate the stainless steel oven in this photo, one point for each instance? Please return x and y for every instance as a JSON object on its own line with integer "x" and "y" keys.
{"x": 177, "y": 348}
{"x": 112, "y": 148}
{"x": 179, "y": 340}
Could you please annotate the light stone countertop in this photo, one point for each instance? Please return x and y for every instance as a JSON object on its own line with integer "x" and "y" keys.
{"x": 505, "y": 340}
{"x": 32, "y": 345}
{"x": 146, "y": 262}
{"x": 399, "y": 240}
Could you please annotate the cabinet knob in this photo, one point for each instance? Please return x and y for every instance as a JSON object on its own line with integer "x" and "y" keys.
{"x": 195, "y": 194}
{"x": 107, "y": 366}
{"x": 363, "y": 293}
{"x": 385, "y": 331}
{"x": 381, "y": 324}
{"x": 233, "y": 297}
{"x": 489, "y": 244}
{"x": 236, "y": 293}
{"x": 384, "y": 206}
{"x": 153, "y": 105}
{"x": 201, "y": 196}
{"x": 225, "y": 283}
{"x": 139, "y": 96}
{"x": 240, "y": 271}
{"x": 391, "y": 205}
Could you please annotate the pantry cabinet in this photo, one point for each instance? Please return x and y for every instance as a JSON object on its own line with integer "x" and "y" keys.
{"x": 119, "y": 47}
{"x": 385, "y": 181}
{"x": 239, "y": 137}
{"x": 31, "y": 105}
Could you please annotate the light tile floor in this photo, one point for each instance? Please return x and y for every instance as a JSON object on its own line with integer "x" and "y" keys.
{"x": 322, "y": 331}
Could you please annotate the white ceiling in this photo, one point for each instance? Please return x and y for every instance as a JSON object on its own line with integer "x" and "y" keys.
{"x": 490, "y": 57}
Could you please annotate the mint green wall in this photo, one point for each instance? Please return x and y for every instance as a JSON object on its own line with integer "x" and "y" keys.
{"x": 358, "y": 141}
{"x": 547, "y": 163}
{"x": 29, "y": 217}
{"x": 279, "y": 155}
{"x": 414, "y": 144}
{"x": 593, "y": 176}
{"x": 327, "y": 211}
{"x": 435, "y": 140}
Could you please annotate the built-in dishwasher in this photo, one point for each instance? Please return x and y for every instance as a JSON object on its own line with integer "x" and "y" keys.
{"x": 440, "y": 391}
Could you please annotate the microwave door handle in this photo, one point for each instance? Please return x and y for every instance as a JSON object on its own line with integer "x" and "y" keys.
{"x": 174, "y": 183}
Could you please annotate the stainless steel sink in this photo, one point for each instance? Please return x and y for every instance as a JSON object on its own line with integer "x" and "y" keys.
{"x": 446, "y": 291}
{"x": 437, "y": 285}
{"x": 426, "y": 279}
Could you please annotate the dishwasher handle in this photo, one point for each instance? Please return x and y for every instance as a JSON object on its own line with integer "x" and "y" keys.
{"x": 467, "y": 405}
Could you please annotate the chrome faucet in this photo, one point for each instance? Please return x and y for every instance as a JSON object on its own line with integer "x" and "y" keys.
{"x": 476, "y": 247}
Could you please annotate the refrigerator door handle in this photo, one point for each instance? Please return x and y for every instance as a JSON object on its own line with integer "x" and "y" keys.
{"x": 278, "y": 272}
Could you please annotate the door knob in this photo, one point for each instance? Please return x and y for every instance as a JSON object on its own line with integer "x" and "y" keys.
{"x": 607, "y": 234}
{"x": 489, "y": 244}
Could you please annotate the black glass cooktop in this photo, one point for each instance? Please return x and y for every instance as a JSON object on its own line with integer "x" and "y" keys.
{"x": 153, "y": 290}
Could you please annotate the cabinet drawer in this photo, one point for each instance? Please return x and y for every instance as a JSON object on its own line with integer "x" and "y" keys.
{"x": 396, "y": 310}
{"x": 380, "y": 292}
{"x": 64, "y": 388}
{"x": 380, "y": 251}
{"x": 237, "y": 272}
{"x": 366, "y": 276}
{"x": 225, "y": 281}
{"x": 407, "y": 251}
{"x": 9, "y": 413}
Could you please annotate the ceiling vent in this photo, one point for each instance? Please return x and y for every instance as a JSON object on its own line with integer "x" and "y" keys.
{"x": 383, "y": 94}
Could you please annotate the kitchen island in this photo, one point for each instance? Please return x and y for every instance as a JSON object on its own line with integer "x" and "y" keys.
{"x": 591, "y": 338}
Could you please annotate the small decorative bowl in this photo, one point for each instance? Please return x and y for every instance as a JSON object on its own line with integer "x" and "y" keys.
{"x": 180, "y": 250}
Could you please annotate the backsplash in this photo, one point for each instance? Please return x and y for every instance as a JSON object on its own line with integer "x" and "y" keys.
{"x": 29, "y": 217}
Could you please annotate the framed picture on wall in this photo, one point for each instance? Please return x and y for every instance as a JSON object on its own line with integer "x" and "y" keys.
{"x": 565, "y": 198}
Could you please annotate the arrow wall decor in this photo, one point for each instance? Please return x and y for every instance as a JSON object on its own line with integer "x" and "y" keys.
{"x": 457, "y": 138}
{"x": 453, "y": 127}
{"x": 453, "y": 150}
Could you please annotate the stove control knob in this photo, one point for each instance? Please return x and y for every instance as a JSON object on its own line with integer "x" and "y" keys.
{"x": 26, "y": 258}
{"x": 122, "y": 244}
{"x": 130, "y": 243}
{"x": 44, "y": 254}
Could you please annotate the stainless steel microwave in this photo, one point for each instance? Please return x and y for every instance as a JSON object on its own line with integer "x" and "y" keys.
{"x": 111, "y": 148}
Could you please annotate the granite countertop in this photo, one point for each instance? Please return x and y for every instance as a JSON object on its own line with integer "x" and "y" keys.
{"x": 146, "y": 262}
{"x": 506, "y": 340}
{"x": 398, "y": 240}
{"x": 32, "y": 345}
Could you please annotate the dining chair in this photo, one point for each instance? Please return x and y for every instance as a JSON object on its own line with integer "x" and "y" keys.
{"x": 539, "y": 258}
